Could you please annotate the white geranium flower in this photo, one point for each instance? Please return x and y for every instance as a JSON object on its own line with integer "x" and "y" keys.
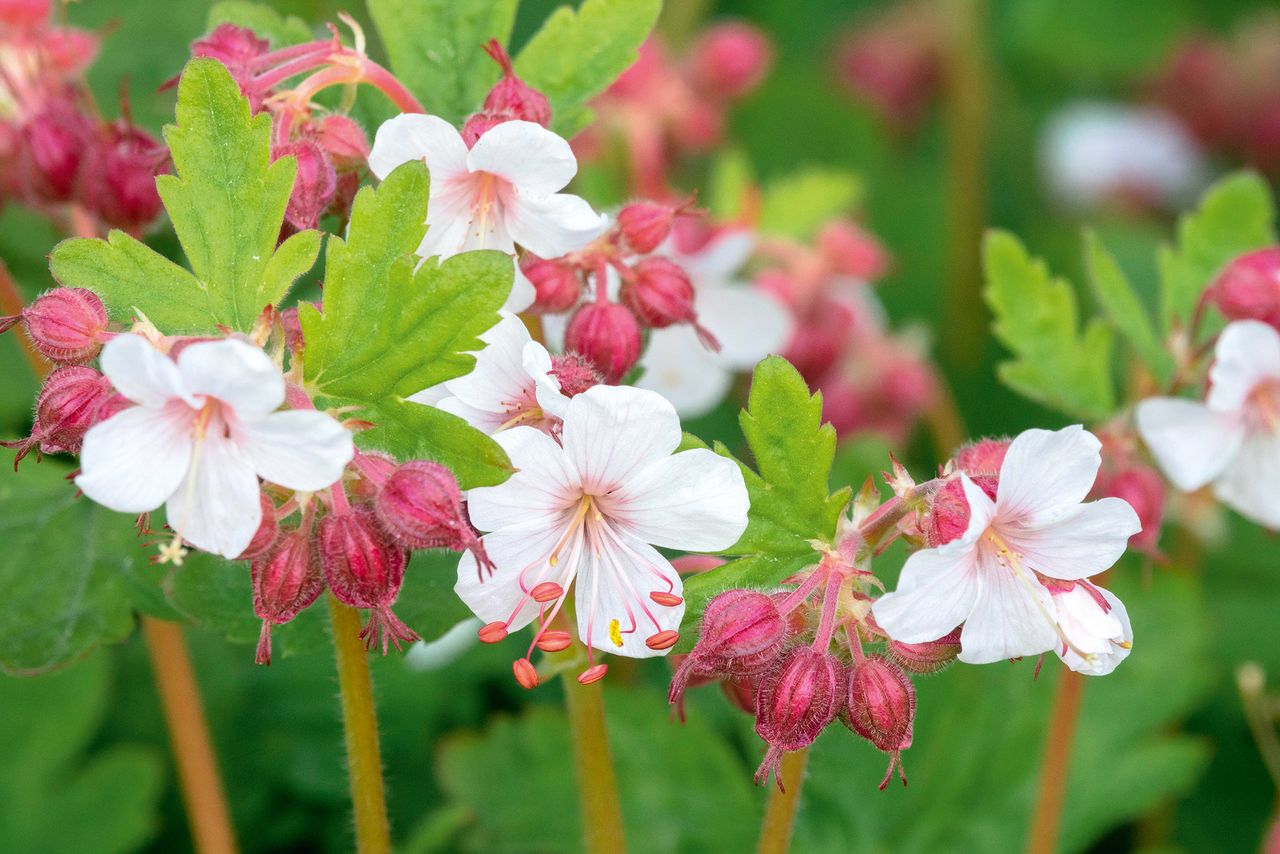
{"x": 588, "y": 511}
{"x": 1232, "y": 439}
{"x": 503, "y": 192}
{"x": 988, "y": 577}
{"x": 202, "y": 431}
{"x": 512, "y": 384}
{"x": 1096, "y": 627}
{"x": 749, "y": 324}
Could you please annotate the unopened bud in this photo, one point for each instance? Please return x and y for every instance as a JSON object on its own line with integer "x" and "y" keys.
{"x": 344, "y": 141}
{"x": 985, "y": 456}
{"x": 730, "y": 59}
{"x": 607, "y": 335}
{"x": 795, "y": 702}
{"x": 286, "y": 579}
{"x": 882, "y": 707}
{"x": 928, "y": 657}
{"x": 556, "y": 284}
{"x": 119, "y": 182}
{"x": 644, "y": 225}
{"x": 66, "y": 324}
{"x": 849, "y": 249}
{"x": 238, "y": 49}
{"x": 24, "y": 14}
{"x": 420, "y": 505}
{"x": 659, "y": 293}
{"x": 314, "y": 184}
{"x": 73, "y": 399}
{"x": 1144, "y": 490}
{"x": 574, "y": 373}
{"x": 365, "y": 569}
{"x": 948, "y": 516}
{"x": 268, "y": 529}
{"x": 742, "y": 633}
{"x": 1249, "y": 287}
{"x": 478, "y": 124}
{"x": 54, "y": 142}
{"x": 511, "y": 96}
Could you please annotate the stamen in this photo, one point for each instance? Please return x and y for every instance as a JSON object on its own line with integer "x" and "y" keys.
{"x": 663, "y": 640}
{"x": 593, "y": 674}
{"x": 554, "y": 640}
{"x": 669, "y": 600}
{"x": 574, "y": 525}
{"x": 492, "y": 632}
{"x": 547, "y": 591}
{"x": 525, "y": 673}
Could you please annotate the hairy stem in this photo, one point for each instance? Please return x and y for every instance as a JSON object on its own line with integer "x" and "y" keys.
{"x": 202, "y": 793}
{"x": 780, "y": 814}
{"x": 593, "y": 765}
{"x": 360, "y": 724}
{"x": 1047, "y": 818}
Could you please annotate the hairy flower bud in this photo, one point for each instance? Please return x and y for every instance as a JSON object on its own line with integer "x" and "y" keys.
{"x": 882, "y": 707}
{"x": 851, "y": 250}
{"x": 741, "y": 634}
{"x": 268, "y": 530}
{"x": 730, "y": 59}
{"x": 948, "y": 515}
{"x": 237, "y": 48}
{"x": 73, "y": 399}
{"x": 314, "y": 185}
{"x": 54, "y": 142}
{"x": 344, "y": 141}
{"x": 607, "y": 335}
{"x": 556, "y": 284}
{"x": 659, "y": 293}
{"x": 420, "y": 505}
{"x": 478, "y": 124}
{"x": 927, "y": 657}
{"x": 512, "y": 97}
{"x": 795, "y": 702}
{"x": 286, "y": 579}
{"x": 66, "y": 324}
{"x": 1249, "y": 287}
{"x": 119, "y": 179}
{"x": 985, "y": 456}
{"x": 574, "y": 373}
{"x": 644, "y": 225}
{"x": 365, "y": 569}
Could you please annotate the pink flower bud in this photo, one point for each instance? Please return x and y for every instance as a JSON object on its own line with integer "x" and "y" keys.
{"x": 852, "y": 250}
{"x": 314, "y": 185}
{"x": 659, "y": 293}
{"x": 375, "y": 469}
{"x": 985, "y": 456}
{"x": 67, "y": 51}
{"x": 73, "y": 399}
{"x": 644, "y": 225}
{"x": 948, "y": 515}
{"x": 54, "y": 142}
{"x": 795, "y": 702}
{"x": 268, "y": 530}
{"x": 731, "y": 59}
{"x": 237, "y": 48}
{"x": 343, "y": 141}
{"x": 928, "y": 657}
{"x": 24, "y": 14}
{"x": 511, "y": 96}
{"x": 420, "y": 505}
{"x": 1249, "y": 287}
{"x": 607, "y": 335}
{"x": 574, "y": 373}
{"x": 1144, "y": 490}
{"x": 365, "y": 569}
{"x": 286, "y": 579}
{"x": 882, "y": 706}
{"x": 119, "y": 182}
{"x": 821, "y": 336}
{"x": 66, "y": 324}
{"x": 478, "y": 124}
{"x": 556, "y": 284}
{"x": 741, "y": 634}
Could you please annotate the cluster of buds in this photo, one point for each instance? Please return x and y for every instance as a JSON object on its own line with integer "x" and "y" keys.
{"x": 330, "y": 148}
{"x": 663, "y": 108}
{"x": 870, "y": 378}
{"x": 655, "y": 292}
{"x": 1227, "y": 91}
{"x": 893, "y": 62}
{"x": 57, "y": 155}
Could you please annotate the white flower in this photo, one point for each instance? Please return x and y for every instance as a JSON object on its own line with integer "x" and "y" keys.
{"x": 1096, "y": 629}
{"x": 589, "y": 511}
{"x": 503, "y": 192}
{"x": 203, "y": 429}
{"x": 987, "y": 578}
{"x": 1232, "y": 440}
{"x": 512, "y": 383}
{"x": 749, "y": 324}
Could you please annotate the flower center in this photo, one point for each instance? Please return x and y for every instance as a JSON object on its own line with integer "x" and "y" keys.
{"x": 1265, "y": 405}
{"x": 483, "y": 215}
{"x": 1009, "y": 558}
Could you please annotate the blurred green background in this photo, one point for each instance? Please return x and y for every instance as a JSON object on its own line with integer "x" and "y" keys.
{"x": 1163, "y": 760}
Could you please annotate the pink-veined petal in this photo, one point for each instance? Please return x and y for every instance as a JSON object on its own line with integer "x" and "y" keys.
{"x": 526, "y": 155}
{"x": 1046, "y": 471}
{"x": 235, "y": 373}
{"x": 695, "y": 501}
{"x": 481, "y": 419}
{"x": 298, "y": 449}
{"x": 749, "y": 323}
{"x": 216, "y": 507}
{"x": 513, "y": 551}
{"x": 612, "y": 433}
{"x": 447, "y": 222}
{"x": 537, "y": 365}
{"x": 1012, "y": 617}
{"x": 1247, "y": 353}
{"x": 498, "y": 383}
{"x": 680, "y": 368}
{"x": 135, "y": 459}
{"x": 141, "y": 372}
{"x": 410, "y": 136}
{"x": 544, "y": 487}
{"x": 936, "y": 592}
{"x": 616, "y": 586}
{"x": 1081, "y": 542}
{"x": 1251, "y": 484}
{"x": 1111, "y": 637}
{"x": 551, "y": 226}
{"x": 522, "y": 293}
{"x": 1192, "y": 443}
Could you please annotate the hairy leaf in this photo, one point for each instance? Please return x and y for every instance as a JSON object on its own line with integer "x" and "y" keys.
{"x": 1125, "y": 310}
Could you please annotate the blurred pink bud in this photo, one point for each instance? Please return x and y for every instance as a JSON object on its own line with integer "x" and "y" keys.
{"x": 73, "y": 399}
{"x": 1249, "y": 287}
{"x": 66, "y": 324}
{"x": 512, "y": 97}
{"x": 268, "y": 530}
{"x": 119, "y": 183}
{"x": 948, "y": 515}
{"x": 555, "y": 283}
{"x": 607, "y": 335}
{"x": 286, "y": 579}
{"x": 365, "y": 569}
{"x": 54, "y": 142}
{"x": 741, "y": 634}
{"x": 68, "y": 51}
{"x": 822, "y": 334}
{"x": 701, "y": 127}
{"x": 24, "y": 14}
{"x": 730, "y": 59}
{"x": 927, "y": 657}
{"x": 574, "y": 373}
{"x": 852, "y": 250}
{"x": 644, "y": 225}
{"x": 795, "y": 702}
{"x": 659, "y": 293}
{"x": 1196, "y": 85}
{"x": 344, "y": 141}
{"x": 314, "y": 184}
{"x": 1144, "y": 490}
{"x": 894, "y": 63}
{"x": 882, "y": 707}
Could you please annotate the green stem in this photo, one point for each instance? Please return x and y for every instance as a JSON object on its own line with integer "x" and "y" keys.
{"x": 593, "y": 764}
{"x": 780, "y": 814}
{"x": 360, "y": 723}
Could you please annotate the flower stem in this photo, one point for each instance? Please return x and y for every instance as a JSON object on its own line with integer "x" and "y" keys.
{"x": 1047, "y": 819}
{"x": 780, "y": 814}
{"x": 593, "y": 764}
{"x": 359, "y": 722}
{"x": 202, "y": 792}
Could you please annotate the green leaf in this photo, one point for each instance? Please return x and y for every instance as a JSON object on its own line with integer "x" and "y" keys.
{"x": 1036, "y": 317}
{"x": 577, "y": 54}
{"x": 435, "y": 47}
{"x": 796, "y": 205}
{"x": 227, "y": 205}
{"x": 1126, "y": 311}
{"x": 1235, "y": 216}
{"x": 279, "y": 29}
{"x": 790, "y": 503}
{"x": 729, "y": 186}
{"x": 427, "y": 602}
{"x": 410, "y": 430}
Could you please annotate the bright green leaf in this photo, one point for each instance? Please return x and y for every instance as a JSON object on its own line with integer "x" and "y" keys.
{"x": 435, "y": 48}
{"x": 577, "y": 54}
{"x": 1036, "y": 317}
{"x": 729, "y": 187}
{"x": 279, "y": 29}
{"x": 411, "y": 430}
{"x": 797, "y": 204}
{"x": 1126, "y": 311}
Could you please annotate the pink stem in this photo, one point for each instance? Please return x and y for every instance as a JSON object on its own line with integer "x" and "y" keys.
{"x": 830, "y": 604}
{"x": 801, "y": 593}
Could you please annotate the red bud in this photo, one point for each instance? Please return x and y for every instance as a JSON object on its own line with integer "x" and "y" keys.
{"x": 66, "y": 324}
{"x": 73, "y": 399}
{"x": 343, "y": 141}
{"x": 237, "y": 48}
{"x": 985, "y": 456}
{"x": 1249, "y": 287}
{"x": 268, "y": 529}
{"x": 365, "y": 569}
{"x": 119, "y": 183}
{"x": 795, "y": 702}
{"x": 54, "y": 142}
{"x": 420, "y": 505}
{"x": 607, "y": 335}
{"x": 285, "y": 580}
{"x": 644, "y": 225}
{"x": 741, "y": 634}
{"x": 948, "y": 516}
{"x": 928, "y": 657}
{"x": 731, "y": 59}
{"x": 659, "y": 293}
{"x": 556, "y": 284}
{"x": 882, "y": 707}
{"x": 314, "y": 185}
{"x": 511, "y": 96}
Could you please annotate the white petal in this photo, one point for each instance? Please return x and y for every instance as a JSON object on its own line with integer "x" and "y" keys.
{"x": 486, "y": 422}
{"x": 1192, "y": 443}
{"x": 936, "y": 591}
{"x": 537, "y": 364}
{"x": 1247, "y": 353}
{"x": 216, "y": 507}
{"x": 749, "y": 323}
{"x": 498, "y": 382}
{"x": 410, "y": 136}
{"x": 522, "y": 293}
{"x": 695, "y": 501}
{"x": 513, "y": 551}
{"x": 1082, "y": 542}
{"x": 1011, "y": 618}
{"x": 612, "y": 433}
{"x": 678, "y": 367}
{"x": 135, "y": 459}
{"x": 448, "y": 218}
{"x": 298, "y": 449}
{"x": 616, "y": 586}
{"x": 726, "y": 254}
{"x": 1251, "y": 484}
{"x": 530, "y": 158}
{"x": 141, "y": 372}
{"x": 551, "y": 226}
{"x": 543, "y": 489}
{"x": 430, "y": 396}
{"x": 1117, "y": 635}
{"x": 1047, "y": 470}
{"x": 235, "y": 373}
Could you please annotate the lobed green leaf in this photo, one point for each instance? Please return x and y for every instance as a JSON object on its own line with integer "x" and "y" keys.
{"x": 1125, "y": 311}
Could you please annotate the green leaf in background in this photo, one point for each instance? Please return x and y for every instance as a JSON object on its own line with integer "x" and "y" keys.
{"x": 435, "y": 47}
{"x": 388, "y": 330}
{"x": 729, "y": 185}
{"x": 1126, "y": 311}
{"x": 790, "y": 503}
{"x": 227, "y": 204}
{"x": 1235, "y": 216}
{"x": 280, "y": 30}
{"x": 1037, "y": 319}
{"x": 577, "y": 54}
{"x": 55, "y": 795}
{"x": 797, "y": 204}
